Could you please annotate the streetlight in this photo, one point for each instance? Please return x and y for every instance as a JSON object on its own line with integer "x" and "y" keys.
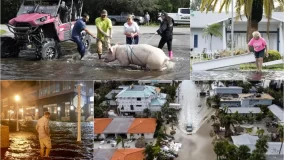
{"x": 22, "y": 111}
{"x": 79, "y": 112}
{"x": 232, "y": 28}
{"x": 58, "y": 111}
{"x": 17, "y": 98}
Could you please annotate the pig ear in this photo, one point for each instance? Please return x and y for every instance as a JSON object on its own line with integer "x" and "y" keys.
{"x": 110, "y": 50}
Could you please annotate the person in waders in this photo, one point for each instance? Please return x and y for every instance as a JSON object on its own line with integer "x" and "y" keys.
{"x": 79, "y": 26}
{"x": 259, "y": 48}
{"x": 166, "y": 32}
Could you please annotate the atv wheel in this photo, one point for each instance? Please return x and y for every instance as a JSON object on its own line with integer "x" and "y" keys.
{"x": 9, "y": 47}
{"x": 50, "y": 50}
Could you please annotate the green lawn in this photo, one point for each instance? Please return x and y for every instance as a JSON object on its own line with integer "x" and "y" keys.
{"x": 252, "y": 66}
{"x": 2, "y": 31}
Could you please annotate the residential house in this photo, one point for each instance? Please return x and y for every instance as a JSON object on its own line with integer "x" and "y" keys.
{"x": 278, "y": 112}
{"x": 200, "y": 20}
{"x": 108, "y": 128}
{"x": 244, "y": 110}
{"x": 250, "y": 141}
{"x": 100, "y": 125}
{"x": 119, "y": 154}
{"x": 251, "y": 100}
{"x": 220, "y": 89}
{"x": 142, "y": 127}
{"x": 134, "y": 99}
{"x": 230, "y": 101}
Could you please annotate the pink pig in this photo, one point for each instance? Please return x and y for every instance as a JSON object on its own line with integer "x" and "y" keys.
{"x": 142, "y": 55}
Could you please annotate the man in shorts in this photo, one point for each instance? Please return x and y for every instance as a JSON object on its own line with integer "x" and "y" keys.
{"x": 42, "y": 128}
{"x": 104, "y": 32}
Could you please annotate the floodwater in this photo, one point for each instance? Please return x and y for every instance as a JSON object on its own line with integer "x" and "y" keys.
{"x": 25, "y": 144}
{"x": 237, "y": 75}
{"x": 26, "y": 67}
{"x": 190, "y": 100}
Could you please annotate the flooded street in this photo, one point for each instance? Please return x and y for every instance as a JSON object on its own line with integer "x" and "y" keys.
{"x": 237, "y": 75}
{"x": 194, "y": 109}
{"x": 25, "y": 144}
{"x": 194, "y": 146}
{"x": 26, "y": 67}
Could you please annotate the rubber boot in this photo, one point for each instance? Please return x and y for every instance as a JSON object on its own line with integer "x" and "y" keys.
{"x": 100, "y": 56}
{"x": 171, "y": 54}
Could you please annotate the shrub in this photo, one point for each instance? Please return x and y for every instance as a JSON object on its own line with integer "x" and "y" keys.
{"x": 273, "y": 55}
{"x": 173, "y": 132}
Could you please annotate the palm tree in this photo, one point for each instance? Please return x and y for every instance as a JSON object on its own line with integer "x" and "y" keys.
{"x": 147, "y": 112}
{"x": 257, "y": 155}
{"x": 151, "y": 152}
{"x": 227, "y": 121}
{"x": 212, "y": 30}
{"x": 231, "y": 152}
{"x": 243, "y": 152}
{"x": 213, "y": 118}
{"x": 261, "y": 144}
{"x": 253, "y": 9}
{"x": 220, "y": 149}
{"x": 118, "y": 140}
{"x": 260, "y": 132}
{"x": 280, "y": 131}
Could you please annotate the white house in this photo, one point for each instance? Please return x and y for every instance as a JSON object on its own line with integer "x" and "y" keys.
{"x": 250, "y": 141}
{"x": 135, "y": 98}
{"x": 250, "y": 100}
{"x": 220, "y": 89}
{"x": 244, "y": 111}
{"x": 230, "y": 101}
{"x": 199, "y": 21}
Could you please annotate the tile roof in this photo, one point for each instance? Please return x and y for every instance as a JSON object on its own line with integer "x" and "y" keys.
{"x": 100, "y": 124}
{"x": 143, "y": 125}
{"x": 128, "y": 154}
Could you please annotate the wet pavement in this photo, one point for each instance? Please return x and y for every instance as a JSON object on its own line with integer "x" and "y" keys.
{"x": 194, "y": 109}
{"x": 237, "y": 75}
{"x": 26, "y": 67}
{"x": 198, "y": 145}
{"x": 25, "y": 144}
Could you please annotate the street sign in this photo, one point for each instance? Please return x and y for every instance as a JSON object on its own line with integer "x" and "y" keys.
{"x": 75, "y": 101}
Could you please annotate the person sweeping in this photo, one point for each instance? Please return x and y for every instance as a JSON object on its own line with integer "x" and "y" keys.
{"x": 260, "y": 47}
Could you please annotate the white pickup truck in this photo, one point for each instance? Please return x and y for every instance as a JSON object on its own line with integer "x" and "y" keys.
{"x": 181, "y": 17}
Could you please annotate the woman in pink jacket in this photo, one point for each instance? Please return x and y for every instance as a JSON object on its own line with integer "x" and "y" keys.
{"x": 259, "y": 46}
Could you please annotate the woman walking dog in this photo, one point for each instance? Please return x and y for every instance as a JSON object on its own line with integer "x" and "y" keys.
{"x": 259, "y": 46}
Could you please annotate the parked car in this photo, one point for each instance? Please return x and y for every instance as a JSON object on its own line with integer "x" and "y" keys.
{"x": 181, "y": 17}
{"x": 122, "y": 18}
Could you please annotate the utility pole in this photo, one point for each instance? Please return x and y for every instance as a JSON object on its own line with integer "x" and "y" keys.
{"x": 232, "y": 29}
{"x": 79, "y": 113}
